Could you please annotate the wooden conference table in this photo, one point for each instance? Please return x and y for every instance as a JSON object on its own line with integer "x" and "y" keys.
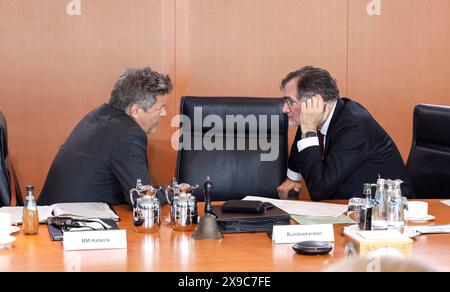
{"x": 175, "y": 251}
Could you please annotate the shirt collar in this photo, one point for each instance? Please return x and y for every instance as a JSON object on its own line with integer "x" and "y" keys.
{"x": 326, "y": 125}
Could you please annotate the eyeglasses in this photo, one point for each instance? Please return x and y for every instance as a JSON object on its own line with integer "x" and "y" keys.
{"x": 289, "y": 102}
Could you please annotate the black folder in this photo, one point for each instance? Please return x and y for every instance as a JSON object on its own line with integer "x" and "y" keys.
{"x": 250, "y": 222}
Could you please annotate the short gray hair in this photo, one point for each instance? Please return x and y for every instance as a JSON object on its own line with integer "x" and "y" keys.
{"x": 139, "y": 86}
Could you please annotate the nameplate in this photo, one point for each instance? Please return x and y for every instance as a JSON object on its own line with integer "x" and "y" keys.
{"x": 299, "y": 233}
{"x": 91, "y": 240}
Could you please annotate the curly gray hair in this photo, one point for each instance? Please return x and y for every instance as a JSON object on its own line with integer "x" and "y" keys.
{"x": 139, "y": 86}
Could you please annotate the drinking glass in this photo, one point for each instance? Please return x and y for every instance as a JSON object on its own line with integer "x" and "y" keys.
{"x": 355, "y": 206}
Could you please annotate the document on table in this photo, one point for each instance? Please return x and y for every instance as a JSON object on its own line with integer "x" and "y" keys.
{"x": 433, "y": 229}
{"x": 308, "y": 220}
{"x": 304, "y": 208}
{"x": 447, "y": 202}
{"x": 85, "y": 210}
{"x": 82, "y": 210}
{"x": 16, "y": 213}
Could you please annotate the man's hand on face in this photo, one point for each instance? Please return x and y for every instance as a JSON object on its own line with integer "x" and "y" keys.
{"x": 312, "y": 113}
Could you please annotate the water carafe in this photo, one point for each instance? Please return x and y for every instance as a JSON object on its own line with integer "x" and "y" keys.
{"x": 183, "y": 211}
{"x": 397, "y": 205}
{"x": 379, "y": 215}
{"x": 146, "y": 208}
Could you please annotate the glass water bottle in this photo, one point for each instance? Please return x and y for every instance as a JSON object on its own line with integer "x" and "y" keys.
{"x": 397, "y": 206}
{"x": 379, "y": 216}
{"x": 365, "y": 222}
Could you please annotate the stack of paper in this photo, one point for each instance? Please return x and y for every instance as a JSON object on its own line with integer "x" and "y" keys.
{"x": 301, "y": 208}
{"x": 16, "y": 213}
{"x": 84, "y": 210}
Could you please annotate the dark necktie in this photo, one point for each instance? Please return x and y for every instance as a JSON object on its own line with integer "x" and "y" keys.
{"x": 321, "y": 136}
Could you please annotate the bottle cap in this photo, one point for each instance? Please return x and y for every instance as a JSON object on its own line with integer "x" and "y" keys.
{"x": 30, "y": 191}
{"x": 381, "y": 181}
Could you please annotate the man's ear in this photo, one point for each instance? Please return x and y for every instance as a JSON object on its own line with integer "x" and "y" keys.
{"x": 133, "y": 111}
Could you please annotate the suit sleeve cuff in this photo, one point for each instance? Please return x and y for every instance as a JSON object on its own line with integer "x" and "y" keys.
{"x": 295, "y": 176}
{"x": 308, "y": 142}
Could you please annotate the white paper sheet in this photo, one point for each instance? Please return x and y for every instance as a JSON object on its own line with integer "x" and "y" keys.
{"x": 85, "y": 210}
{"x": 16, "y": 213}
{"x": 304, "y": 208}
{"x": 433, "y": 229}
{"x": 447, "y": 202}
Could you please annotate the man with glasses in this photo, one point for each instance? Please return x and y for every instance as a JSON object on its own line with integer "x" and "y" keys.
{"x": 339, "y": 146}
{"x": 107, "y": 151}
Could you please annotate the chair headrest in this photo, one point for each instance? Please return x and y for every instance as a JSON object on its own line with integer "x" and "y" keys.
{"x": 432, "y": 124}
{"x": 234, "y": 109}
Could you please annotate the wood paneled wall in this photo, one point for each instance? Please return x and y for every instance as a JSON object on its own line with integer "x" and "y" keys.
{"x": 399, "y": 59}
{"x": 55, "y": 68}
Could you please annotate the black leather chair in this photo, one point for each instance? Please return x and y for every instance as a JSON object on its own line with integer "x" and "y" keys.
{"x": 429, "y": 159}
{"x": 9, "y": 186}
{"x": 235, "y": 173}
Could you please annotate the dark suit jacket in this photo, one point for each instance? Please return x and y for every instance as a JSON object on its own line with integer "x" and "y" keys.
{"x": 100, "y": 161}
{"x": 5, "y": 190}
{"x": 357, "y": 150}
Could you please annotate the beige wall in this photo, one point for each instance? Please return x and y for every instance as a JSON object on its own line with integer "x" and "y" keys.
{"x": 54, "y": 68}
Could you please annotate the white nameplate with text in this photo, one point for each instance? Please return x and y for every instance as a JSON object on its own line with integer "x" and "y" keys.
{"x": 300, "y": 233}
{"x": 91, "y": 240}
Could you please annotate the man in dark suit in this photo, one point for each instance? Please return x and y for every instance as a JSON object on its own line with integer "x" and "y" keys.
{"x": 339, "y": 146}
{"x": 107, "y": 151}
